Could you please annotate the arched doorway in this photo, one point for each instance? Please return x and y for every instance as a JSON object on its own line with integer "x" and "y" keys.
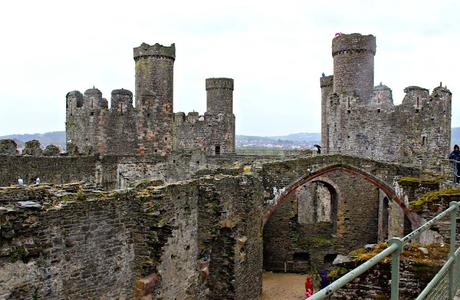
{"x": 298, "y": 237}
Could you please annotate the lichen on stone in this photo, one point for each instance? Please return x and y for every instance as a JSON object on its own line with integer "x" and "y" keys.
{"x": 419, "y": 181}
{"x": 433, "y": 197}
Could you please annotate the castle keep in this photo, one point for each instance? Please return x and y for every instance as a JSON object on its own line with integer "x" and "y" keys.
{"x": 359, "y": 118}
{"x": 151, "y": 127}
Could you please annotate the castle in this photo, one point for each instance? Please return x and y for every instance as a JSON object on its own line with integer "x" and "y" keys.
{"x": 360, "y": 119}
{"x": 150, "y": 128}
{"x": 199, "y": 225}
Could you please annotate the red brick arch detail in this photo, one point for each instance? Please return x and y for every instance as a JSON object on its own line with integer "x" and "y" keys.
{"x": 347, "y": 169}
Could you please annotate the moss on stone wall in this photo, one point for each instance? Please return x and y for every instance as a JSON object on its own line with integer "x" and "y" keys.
{"x": 433, "y": 197}
{"x": 315, "y": 241}
{"x": 437, "y": 253}
{"x": 336, "y": 273}
{"x": 417, "y": 181}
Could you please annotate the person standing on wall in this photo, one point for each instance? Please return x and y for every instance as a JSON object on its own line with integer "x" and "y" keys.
{"x": 455, "y": 158}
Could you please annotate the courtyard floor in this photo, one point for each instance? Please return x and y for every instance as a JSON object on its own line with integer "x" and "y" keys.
{"x": 285, "y": 286}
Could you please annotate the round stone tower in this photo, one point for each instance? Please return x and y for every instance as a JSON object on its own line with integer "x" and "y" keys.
{"x": 154, "y": 97}
{"x": 219, "y": 115}
{"x": 219, "y": 98}
{"x": 326, "y": 83}
{"x": 354, "y": 65}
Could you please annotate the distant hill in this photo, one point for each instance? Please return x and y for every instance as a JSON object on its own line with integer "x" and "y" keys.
{"x": 290, "y": 141}
{"x": 49, "y": 138}
{"x": 301, "y": 140}
{"x": 299, "y": 137}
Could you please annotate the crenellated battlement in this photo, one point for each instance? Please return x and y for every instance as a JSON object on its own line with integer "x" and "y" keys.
{"x": 382, "y": 97}
{"x": 326, "y": 81}
{"x": 74, "y": 98}
{"x": 353, "y": 43}
{"x": 415, "y": 96}
{"x": 219, "y": 83}
{"x": 90, "y": 100}
{"x": 157, "y": 50}
{"x": 121, "y": 100}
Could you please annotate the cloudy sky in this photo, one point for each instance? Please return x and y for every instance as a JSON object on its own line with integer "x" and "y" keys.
{"x": 275, "y": 51}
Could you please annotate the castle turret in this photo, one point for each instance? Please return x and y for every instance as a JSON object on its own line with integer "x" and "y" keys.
{"x": 154, "y": 97}
{"x": 354, "y": 65}
{"x": 415, "y": 96}
{"x": 121, "y": 131}
{"x": 92, "y": 100}
{"x": 326, "y": 83}
{"x": 76, "y": 121}
{"x": 219, "y": 116}
{"x": 122, "y": 101}
{"x": 382, "y": 99}
{"x": 84, "y": 120}
{"x": 219, "y": 95}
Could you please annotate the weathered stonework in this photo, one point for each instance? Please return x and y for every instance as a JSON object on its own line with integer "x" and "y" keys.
{"x": 204, "y": 238}
{"x": 150, "y": 128}
{"x": 8, "y": 147}
{"x": 360, "y": 119}
{"x": 331, "y": 215}
{"x": 51, "y": 150}
{"x": 189, "y": 240}
{"x": 32, "y": 148}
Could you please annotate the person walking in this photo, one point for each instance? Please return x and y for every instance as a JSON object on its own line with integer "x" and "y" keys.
{"x": 454, "y": 157}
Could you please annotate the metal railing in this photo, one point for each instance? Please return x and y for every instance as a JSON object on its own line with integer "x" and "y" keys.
{"x": 455, "y": 165}
{"x": 444, "y": 284}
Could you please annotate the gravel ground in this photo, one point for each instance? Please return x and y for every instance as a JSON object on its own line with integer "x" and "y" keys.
{"x": 283, "y": 286}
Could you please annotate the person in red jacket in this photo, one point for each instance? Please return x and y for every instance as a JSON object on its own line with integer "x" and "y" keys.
{"x": 308, "y": 287}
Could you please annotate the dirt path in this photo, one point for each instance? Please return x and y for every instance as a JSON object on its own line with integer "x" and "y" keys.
{"x": 283, "y": 286}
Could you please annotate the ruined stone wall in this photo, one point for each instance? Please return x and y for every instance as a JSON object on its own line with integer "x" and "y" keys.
{"x": 238, "y": 242}
{"x": 375, "y": 283}
{"x": 86, "y": 120}
{"x": 428, "y": 198}
{"x": 362, "y": 120}
{"x": 406, "y": 133}
{"x": 121, "y": 132}
{"x": 70, "y": 242}
{"x": 326, "y": 84}
{"x": 48, "y": 169}
{"x": 117, "y": 171}
{"x": 214, "y": 134}
{"x": 66, "y": 249}
{"x": 306, "y": 233}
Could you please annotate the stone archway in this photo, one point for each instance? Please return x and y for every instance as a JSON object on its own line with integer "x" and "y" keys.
{"x": 305, "y": 221}
{"x": 378, "y": 183}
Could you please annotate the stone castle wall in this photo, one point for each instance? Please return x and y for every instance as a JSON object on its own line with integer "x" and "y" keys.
{"x": 49, "y": 169}
{"x": 70, "y": 242}
{"x": 214, "y": 134}
{"x": 150, "y": 128}
{"x": 362, "y": 120}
